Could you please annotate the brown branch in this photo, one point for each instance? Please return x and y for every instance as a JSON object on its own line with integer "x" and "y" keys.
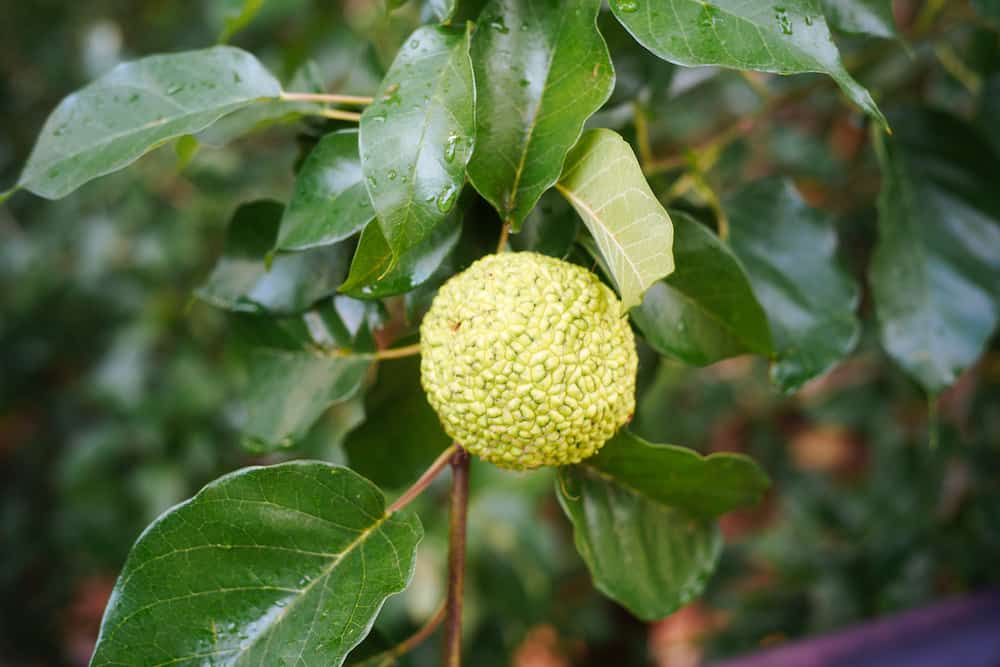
{"x": 456, "y": 557}
{"x": 440, "y": 463}
{"x": 388, "y": 657}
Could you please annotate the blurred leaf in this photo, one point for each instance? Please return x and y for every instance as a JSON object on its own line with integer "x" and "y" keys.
{"x": 242, "y": 280}
{"x": 788, "y": 39}
{"x": 988, "y": 116}
{"x": 871, "y": 17}
{"x": 239, "y": 14}
{"x": 137, "y": 107}
{"x": 417, "y": 136}
{"x": 542, "y": 69}
{"x": 373, "y": 273}
{"x": 679, "y": 477}
{"x": 401, "y": 434}
{"x": 603, "y": 182}
{"x": 266, "y": 565}
{"x": 288, "y": 391}
{"x": 705, "y": 310}
{"x": 647, "y": 556}
{"x": 441, "y": 10}
{"x": 550, "y": 228}
{"x": 935, "y": 274}
{"x": 330, "y": 201}
{"x": 789, "y": 252}
{"x": 988, "y": 8}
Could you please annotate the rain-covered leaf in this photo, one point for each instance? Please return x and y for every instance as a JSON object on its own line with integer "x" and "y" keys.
{"x": 787, "y": 38}
{"x": 401, "y": 434}
{"x": 680, "y": 477}
{"x": 646, "y": 555}
{"x": 330, "y": 201}
{"x": 279, "y": 565}
{"x": 870, "y": 17}
{"x": 243, "y": 281}
{"x": 604, "y": 183}
{"x": 542, "y": 69}
{"x": 416, "y": 138}
{"x": 706, "y": 309}
{"x": 789, "y": 252}
{"x": 375, "y": 274}
{"x": 935, "y": 274}
{"x": 137, "y": 107}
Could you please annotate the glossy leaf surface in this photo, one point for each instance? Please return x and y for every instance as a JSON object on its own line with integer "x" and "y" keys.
{"x": 787, "y": 38}
{"x": 935, "y": 274}
{"x": 418, "y": 135}
{"x": 542, "y": 69}
{"x": 288, "y": 564}
{"x": 649, "y": 557}
{"x": 706, "y": 309}
{"x": 789, "y": 252}
{"x": 136, "y": 107}
{"x": 330, "y": 201}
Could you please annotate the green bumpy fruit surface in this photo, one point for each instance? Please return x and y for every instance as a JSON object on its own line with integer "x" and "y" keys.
{"x": 528, "y": 361}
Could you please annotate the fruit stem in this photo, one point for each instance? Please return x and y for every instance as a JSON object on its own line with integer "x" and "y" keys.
{"x": 326, "y": 98}
{"x": 337, "y": 114}
{"x": 440, "y": 463}
{"x": 397, "y": 352}
{"x": 504, "y": 233}
{"x": 456, "y": 556}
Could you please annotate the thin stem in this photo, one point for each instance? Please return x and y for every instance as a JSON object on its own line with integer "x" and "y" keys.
{"x": 397, "y": 352}
{"x": 456, "y": 557}
{"x": 336, "y": 114}
{"x": 440, "y": 463}
{"x": 642, "y": 135}
{"x": 388, "y": 657}
{"x": 326, "y": 98}
{"x": 504, "y": 233}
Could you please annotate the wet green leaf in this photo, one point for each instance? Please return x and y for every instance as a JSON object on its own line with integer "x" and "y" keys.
{"x": 935, "y": 274}
{"x": 277, "y": 565}
{"x": 542, "y": 69}
{"x": 789, "y": 252}
{"x": 418, "y": 135}
{"x": 330, "y": 202}
{"x": 649, "y": 557}
{"x": 705, "y": 310}
{"x": 137, "y": 107}
{"x": 787, "y": 38}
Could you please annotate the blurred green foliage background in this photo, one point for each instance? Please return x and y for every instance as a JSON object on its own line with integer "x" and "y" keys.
{"x": 119, "y": 396}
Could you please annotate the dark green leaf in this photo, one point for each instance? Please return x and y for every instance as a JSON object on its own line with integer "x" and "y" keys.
{"x": 871, "y": 17}
{"x": 416, "y": 138}
{"x": 330, "y": 201}
{"x": 680, "y": 477}
{"x": 281, "y": 565}
{"x": 401, "y": 435}
{"x": 988, "y": 8}
{"x": 789, "y": 252}
{"x": 242, "y": 280}
{"x": 136, "y": 107}
{"x": 542, "y": 69}
{"x": 288, "y": 391}
{"x": 988, "y": 117}
{"x": 705, "y": 310}
{"x": 788, "y": 38}
{"x": 604, "y": 183}
{"x": 649, "y": 557}
{"x": 550, "y": 228}
{"x": 374, "y": 274}
{"x": 935, "y": 274}
{"x": 239, "y": 14}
